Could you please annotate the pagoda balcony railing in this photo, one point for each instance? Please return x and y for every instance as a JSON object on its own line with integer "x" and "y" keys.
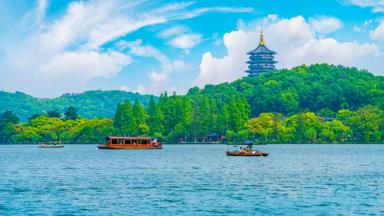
{"x": 269, "y": 58}
{"x": 269, "y": 67}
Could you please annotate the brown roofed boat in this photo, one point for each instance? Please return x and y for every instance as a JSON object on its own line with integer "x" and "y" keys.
{"x": 131, "y": 143}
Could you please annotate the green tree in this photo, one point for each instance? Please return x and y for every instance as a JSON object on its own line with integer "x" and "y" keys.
{"x": 71, "y": 113}
{"x": 7, "y": 121}
{"x": 54, "y": 113}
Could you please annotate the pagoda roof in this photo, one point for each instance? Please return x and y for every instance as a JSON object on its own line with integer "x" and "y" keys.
{"x": 261, "y": 49}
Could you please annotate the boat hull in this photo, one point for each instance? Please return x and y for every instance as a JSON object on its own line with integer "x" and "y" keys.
{"x": 247, "y": 154}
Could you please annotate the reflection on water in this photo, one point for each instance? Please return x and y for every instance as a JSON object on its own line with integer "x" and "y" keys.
{"x": 192, "y": 180}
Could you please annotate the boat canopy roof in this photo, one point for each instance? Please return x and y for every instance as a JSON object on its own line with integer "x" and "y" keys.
{"x": 128, "y": 138}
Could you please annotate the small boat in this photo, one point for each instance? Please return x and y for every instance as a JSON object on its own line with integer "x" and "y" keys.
{"x": 250, "y": 153}
{"x": 50, "y": 146}
{"x": 130, "y": 143}
{"x": 247, "y": 152}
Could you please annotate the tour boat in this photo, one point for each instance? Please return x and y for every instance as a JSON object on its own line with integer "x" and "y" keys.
{"x": 50, "y": 146}
{"x": 130, "y": 143}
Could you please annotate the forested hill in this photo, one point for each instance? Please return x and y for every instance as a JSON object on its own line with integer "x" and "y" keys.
{"x": 320, "y": 88}
{"x": 89, "y": 104}
{"x": 307, "y": 104}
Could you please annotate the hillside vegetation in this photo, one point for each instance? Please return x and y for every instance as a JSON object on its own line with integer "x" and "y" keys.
{"x": 89, "y": 104}
{"x": 307, "y": 104}
{"x": 304, "y": 88}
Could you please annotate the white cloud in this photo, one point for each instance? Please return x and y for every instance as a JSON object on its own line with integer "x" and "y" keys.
{"x": 294, "y": 40}
{"x": 181, "y": 37}
{"x": 325, "y": 25}
{"x": 158, "y": 78}
{"x": 378, "y": 32}
{"x": 140, "y": 89}
{"x": 363, "y": 28}
{"x": 137, "y": 48}
{"x": 73, "y": 43}
{"x": 180, "y": 66}
{"x": 124, "y": 88}
{"x": 41, "y": 8}
{"x": 201, "y": 11}
{"x": 86, "y": 65}
{"x": 173, "y": 31}
{"x": 186, "y": 41}
{"x": 376, "y": 5}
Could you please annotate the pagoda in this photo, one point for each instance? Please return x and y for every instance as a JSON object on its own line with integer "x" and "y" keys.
{"x": 261, "y": 59}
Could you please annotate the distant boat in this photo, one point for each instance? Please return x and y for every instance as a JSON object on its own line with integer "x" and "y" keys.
{"x": 131, "y": 143}
{"x": 50, "y": 146}
{"x": 247, "y": 152}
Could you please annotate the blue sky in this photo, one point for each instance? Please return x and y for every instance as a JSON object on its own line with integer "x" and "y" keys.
{"x": 51, "y": 47}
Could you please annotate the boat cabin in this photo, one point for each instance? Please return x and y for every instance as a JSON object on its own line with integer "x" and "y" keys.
{"x": 113, "y": 142}
{"x": 128, "y": 140}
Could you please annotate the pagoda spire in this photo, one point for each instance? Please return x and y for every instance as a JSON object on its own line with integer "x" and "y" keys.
{"x": 261, "y": 43}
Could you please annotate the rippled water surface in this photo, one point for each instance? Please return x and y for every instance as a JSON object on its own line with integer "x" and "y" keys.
{"x": 192, "y": 180}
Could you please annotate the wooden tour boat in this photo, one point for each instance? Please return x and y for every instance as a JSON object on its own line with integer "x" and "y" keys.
{"x": 50, "y": 146}
{"x": 130, "y": 143}
{"x": 247, "y": 152}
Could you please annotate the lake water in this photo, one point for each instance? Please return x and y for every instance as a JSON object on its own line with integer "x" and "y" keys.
{"x": 192, "y": 180}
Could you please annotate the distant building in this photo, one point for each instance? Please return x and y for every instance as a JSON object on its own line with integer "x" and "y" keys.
{"x": 261, "y": 59}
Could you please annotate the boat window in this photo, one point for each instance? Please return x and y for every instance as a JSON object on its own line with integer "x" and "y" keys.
{"x": 145, "y": 141}
{"x": 128, "y": 142}
{"x": 114, "y": 141}
{"x": 121, "y": 141}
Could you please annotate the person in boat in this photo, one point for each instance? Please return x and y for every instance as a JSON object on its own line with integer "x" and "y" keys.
{"x": 242, "y": 150}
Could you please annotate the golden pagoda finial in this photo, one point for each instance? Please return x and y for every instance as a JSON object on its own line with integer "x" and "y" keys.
{"x": 262, "y": 43}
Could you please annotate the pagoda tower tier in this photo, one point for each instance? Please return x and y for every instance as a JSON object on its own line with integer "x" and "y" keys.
{"x": 261, "y": 59}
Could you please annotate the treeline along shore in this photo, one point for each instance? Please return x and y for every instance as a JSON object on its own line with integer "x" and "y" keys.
{"x": 308, "y": 104}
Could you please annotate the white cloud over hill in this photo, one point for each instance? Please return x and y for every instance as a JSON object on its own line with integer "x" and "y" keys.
{"x": 378, "y": 32}
{"x": 296, "y": 41}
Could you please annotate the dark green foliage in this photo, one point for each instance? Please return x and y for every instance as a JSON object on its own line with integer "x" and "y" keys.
{"x": 7, "y": 121}
{"x": 89, "y": 104}
{"x": 71, "y": 113}
{"x": 8, "y": 117}
{"x": 54, "y": 113}
{"x": 311, "y": 88}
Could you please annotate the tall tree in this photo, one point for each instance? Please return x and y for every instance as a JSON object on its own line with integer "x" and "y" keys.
{"x": 71, "y": 113}
{"x": 155, "y": 119}
{"x": 7, "y": 121}
{"x": 55, "y": 113}
{"x": 140, "y": 117}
